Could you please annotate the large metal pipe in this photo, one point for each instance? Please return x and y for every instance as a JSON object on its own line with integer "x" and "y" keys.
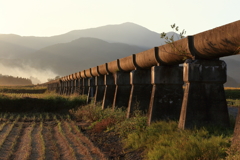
{"x": 218, "y": 42}
{"x": 215, "y": 43}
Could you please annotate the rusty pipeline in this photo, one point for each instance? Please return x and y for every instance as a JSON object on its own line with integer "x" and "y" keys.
{"x": 215, "y": 43}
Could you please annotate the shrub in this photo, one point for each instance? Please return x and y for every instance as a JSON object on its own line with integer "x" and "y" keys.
{"x": 104, "y": 124}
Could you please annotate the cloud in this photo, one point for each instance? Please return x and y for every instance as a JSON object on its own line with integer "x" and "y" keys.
{"x": 26, "y": 71}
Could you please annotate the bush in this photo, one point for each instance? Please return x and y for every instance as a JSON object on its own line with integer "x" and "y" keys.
{"x": 163, "y": 140}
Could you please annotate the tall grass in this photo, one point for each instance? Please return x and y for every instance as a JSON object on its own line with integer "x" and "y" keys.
{"x": 160, "y": 140}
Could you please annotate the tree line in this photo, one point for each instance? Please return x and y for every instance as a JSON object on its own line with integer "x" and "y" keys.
{"x": 6, "y": 80}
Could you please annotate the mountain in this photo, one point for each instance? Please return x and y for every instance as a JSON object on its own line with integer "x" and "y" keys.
{"x": 10, "y": 51}
{"x": 80, "y": 54}
{"x": 231, "y": 82}
{"x": 31, "y": 42}
{"x": 128, "y": 33}
{"x": 233, "y": 66}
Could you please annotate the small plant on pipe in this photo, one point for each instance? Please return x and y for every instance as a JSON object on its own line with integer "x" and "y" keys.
{"x": 170, "y": 40}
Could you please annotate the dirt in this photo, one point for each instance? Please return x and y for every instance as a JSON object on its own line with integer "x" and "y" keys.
{"x": 110, "y": 144}
{"x": 51, "y": 140}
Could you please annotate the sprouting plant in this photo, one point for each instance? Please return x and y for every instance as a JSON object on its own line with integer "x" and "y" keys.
{"x": 170, "y": 40}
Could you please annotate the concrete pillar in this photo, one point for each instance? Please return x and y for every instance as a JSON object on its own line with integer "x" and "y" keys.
{"x": 80, "y": 86}
{"x": 204, "y": 99}
{"x": 48, "y": 87}
{"x": 141, "y": 89}
{"x": 167, "y": 93}
{"x": 91, "y": 89}
{"x": 71, "y": 86}
{"x": 109, "y": 91}
{"x": 74, "y": 86}
{"x": 123, "y": 89}
{"x": 77, "y": 91}
{"x": 65, "y": 87}
{"x": 100, "y": 88}
{"x": 68, "y": 87}
{"x": 236, "y": 134}
{"x": 61, "y": 87}
{"x": 85, "y": 86}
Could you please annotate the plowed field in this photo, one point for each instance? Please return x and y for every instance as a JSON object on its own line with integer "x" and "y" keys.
{"x": 44, "y": 136}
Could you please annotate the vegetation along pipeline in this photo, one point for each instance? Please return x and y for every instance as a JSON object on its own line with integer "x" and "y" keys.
{"x": 153, "y": 82}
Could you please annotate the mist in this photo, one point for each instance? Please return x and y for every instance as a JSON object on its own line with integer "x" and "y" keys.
{"x": 25, "y": 71}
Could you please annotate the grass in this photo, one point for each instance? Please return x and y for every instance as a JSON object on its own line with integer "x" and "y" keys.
{"x": 23, "y": 89}
{"x": 232, "y": 93}
{"x": 161, "y": 140}
{"x": 39, "y": 103}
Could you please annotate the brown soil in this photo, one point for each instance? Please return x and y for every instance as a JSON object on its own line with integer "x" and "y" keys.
{"x": 56, "y": 139}
{"x": 37, "y": 145}
{"x": 110, "y": 144}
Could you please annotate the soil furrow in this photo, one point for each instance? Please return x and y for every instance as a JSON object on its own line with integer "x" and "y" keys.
{"x": 10, "y": 143}
{"x": 37, "y": 143}
{"x": 2, "y": 125}
{"x": 51, "y": 150}
{"x": 24, "y": 147}
{"x": 66, "y": 150}
{"x": 81, "y": 151}
{"x": 4, "y": 133}
{"x": 95, "y": 152}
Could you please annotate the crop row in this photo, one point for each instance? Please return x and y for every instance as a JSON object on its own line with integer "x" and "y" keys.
{"x": 43, "y": 136}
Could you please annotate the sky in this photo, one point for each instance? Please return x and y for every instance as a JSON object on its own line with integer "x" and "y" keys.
{"x": 54, "y": 17}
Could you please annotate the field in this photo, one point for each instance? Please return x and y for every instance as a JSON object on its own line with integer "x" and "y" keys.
{"x": 22, "y": 89}
{"x": 44, "y": 136}
{"x": 50, "y": 126}
{"x": 38, "y": 126}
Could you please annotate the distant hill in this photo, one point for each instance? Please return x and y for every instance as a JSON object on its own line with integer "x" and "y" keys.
{"x": 10, "y": 51}
{"x": 80, "y": 54}
{"x": 128, "y": 33}
{"x": 233, "y": 67}
{"x": 231, "y": 82}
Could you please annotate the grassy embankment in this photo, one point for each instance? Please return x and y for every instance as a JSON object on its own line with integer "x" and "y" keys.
{"x": 161, "y": 140}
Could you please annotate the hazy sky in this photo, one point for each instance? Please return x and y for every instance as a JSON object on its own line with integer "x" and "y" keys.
{"x": 53, "y": 17}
